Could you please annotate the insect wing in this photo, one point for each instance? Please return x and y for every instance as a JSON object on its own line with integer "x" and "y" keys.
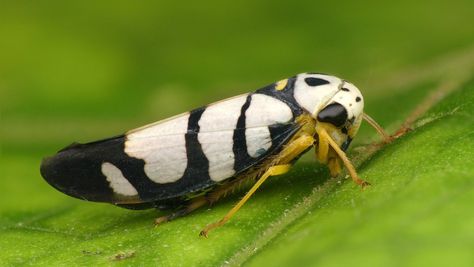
{"x": 175, "y": 157}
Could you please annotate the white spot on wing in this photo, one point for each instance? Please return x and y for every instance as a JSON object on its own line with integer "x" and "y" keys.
{"x": 222, "y": 115}
{"x": 263, "y": 111}
{"x": 163, "y": 148}
{"x": 258, "y": 141}
{"x": 216, "y": 133}
{"x": 117, "y": 181}
{"x": 266, "y": 110}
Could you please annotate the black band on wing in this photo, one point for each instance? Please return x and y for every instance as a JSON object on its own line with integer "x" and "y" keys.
{"x": 241, "y": 155}
{"x": 196, "y": 175}
{"x": 279, "y": 134}
{"x": 76, "y": 170}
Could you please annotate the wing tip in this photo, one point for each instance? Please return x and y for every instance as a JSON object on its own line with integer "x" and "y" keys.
{"x": 47, "y": 169}
{"x": 68, "y": 172}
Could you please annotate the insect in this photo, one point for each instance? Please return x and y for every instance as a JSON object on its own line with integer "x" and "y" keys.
{"x": 196, "y": 158}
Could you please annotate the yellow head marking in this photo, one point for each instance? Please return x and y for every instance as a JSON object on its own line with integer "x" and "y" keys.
{"x": 281, "y": 84}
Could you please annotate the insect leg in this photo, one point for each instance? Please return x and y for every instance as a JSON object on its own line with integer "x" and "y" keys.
{"x": 386, "y": 138}
{"x": 291, "y": 151}
{"x": 323, "y": 134}
{"x": 322, "y": 151}
{"x": 193, "y": 205}
{"x": 272, "y": 171}
{"x": 328, "y": 156}
{"x": 334, "y": 163}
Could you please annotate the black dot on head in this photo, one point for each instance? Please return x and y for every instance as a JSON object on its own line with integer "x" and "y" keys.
{"x": 345, "y": 89}
{"x": 313, "y": 81}
{"x": 358, "y": 99}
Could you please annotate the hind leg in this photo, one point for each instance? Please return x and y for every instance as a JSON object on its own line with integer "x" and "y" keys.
{"x": 289, "y": 153}
{"x": 272, "y": 171}
{"x": 208, "y": 199}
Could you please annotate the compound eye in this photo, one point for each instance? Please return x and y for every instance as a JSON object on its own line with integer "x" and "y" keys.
{"x": 333, "y": 113}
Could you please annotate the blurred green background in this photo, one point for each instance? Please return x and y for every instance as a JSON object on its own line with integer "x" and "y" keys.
{"x": 96, "y": 68}
{"x": 85, "y": 70}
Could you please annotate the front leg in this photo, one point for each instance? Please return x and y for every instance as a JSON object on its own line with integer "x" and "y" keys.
{"x": 328, "y": 157}
{"x": 324, "y": 137}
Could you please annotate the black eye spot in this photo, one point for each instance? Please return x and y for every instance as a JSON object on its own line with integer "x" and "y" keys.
{"x": 345, "y": 89}
{"x": 333, "y": 113}
{"x": 312, "y": 81}
{"x": 358, "y": 99}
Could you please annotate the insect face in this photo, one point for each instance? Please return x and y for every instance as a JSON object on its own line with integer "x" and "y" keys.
{"x": 333, "y": 102}
{"x": 344, "y": 112}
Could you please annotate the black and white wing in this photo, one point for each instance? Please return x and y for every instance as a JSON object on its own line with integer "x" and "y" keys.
{"x": 172, "y": 158}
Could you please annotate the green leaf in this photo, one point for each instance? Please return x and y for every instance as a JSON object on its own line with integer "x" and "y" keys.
{"x": 418, "y": 210}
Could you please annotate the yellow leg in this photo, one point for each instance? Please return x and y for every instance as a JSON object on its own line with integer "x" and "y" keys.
{"x": 386, "y": 138}
{"x": 334, "y": 164}
{"x": 323, "y": 150}
{"x": 327, "y": 156}
{"x": 291, "y": 151}
{"x": 294, "y": 149}
{"x": 272, "y": 171}
{"x": 323, "y": 134}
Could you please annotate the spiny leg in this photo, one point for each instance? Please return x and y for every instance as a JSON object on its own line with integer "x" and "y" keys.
{"x": 323, "y": 134}
{"x": 291, "y": 151}
{"x": 193, "y": 205}
{"x": 228, "y": 188}
{"x": 209, "y": 198}
{"x": 272, "y": 171}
